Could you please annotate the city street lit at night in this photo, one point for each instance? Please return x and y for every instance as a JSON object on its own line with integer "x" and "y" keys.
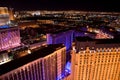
{"x": 59, "y": 40}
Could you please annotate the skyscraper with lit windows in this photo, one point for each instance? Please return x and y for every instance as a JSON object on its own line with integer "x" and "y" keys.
{"x": 9, "y": 35}
{"x": 96, "y": 59}
{"x": 44, "y": 63}
{"x": 9, "y": 38}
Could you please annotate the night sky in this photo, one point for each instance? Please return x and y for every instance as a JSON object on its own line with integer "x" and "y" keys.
{"x": 90, "y": 5}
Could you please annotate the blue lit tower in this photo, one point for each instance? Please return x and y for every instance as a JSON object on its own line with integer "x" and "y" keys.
{"x": 65, "y": 37}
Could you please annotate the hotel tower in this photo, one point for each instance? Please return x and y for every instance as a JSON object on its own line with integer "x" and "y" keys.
{"x": 95, "y": 59}
{"x": 9, "y": 35}
{"x": 44, "y": 63}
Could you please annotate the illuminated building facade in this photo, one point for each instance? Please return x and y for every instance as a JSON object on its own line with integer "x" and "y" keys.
{"x": 3, "y": 10}
{"x": 4, "y": 15}
{"x": 11, "y": 14}
{"x": 9, "y": 38}
{"x": 84, "y": 33}
{"x": 103, "y": 35}
{"x": 4, "y": 58}
{"x": 65, "y": 37}
{"x": 96, "y": 60}
{"x": 67, "y": 77}
{"x": 45, "y": 63}
{"x": 9, "y": 35}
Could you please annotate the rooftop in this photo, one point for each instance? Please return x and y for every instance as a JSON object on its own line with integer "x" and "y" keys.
{"x": 98, "y": 41}
{"x": 84, "y": 39}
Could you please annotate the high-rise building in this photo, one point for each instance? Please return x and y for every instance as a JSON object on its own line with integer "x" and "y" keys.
{"x": 9, "y": 38}
{"x": 11, "y": 14}
{"x": 4, "y": 15}
{"x": 96, "y": 59}
{"x": 65, "y": 37}
{"x": 9, "y": 35}
{"x": 44, "y": 63}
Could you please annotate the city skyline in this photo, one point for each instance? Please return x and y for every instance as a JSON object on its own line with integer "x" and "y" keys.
{"x": 62, "y": 5}
{"x": 59, "y": 45}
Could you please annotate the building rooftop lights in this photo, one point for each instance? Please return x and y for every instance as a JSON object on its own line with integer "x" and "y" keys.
{"x": 29, "y": 51}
